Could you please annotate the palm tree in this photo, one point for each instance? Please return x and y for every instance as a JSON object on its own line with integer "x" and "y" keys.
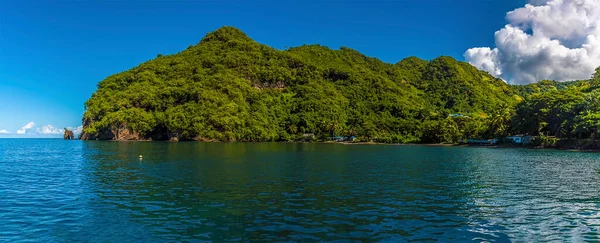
{"x": 500, "y": 120}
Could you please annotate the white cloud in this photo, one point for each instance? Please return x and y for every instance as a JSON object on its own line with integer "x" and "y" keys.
{"x": 43, "y": 131}
{"x": 546, "y": 39}
{"x": 78, "y": 130}
{"x": 49, "y": 129}
{"x": 25, "y": 128}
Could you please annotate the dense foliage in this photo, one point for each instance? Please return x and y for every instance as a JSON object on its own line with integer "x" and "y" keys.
{"x": 563, "y": 110}
{"x": 230, "y": 88}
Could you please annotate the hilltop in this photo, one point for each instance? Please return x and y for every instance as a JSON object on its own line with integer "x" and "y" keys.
{"x": 230, "y": 88}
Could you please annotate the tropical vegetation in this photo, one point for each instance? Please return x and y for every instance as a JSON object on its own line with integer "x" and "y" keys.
{"x": 231, "y": 88}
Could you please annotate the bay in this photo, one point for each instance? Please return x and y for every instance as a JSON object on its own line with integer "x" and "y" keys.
{"x": 71, "y": 191}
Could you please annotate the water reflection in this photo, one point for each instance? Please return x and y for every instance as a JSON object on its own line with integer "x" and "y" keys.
{"x": 219, "y": 192}
{"x": 269, "y": 191}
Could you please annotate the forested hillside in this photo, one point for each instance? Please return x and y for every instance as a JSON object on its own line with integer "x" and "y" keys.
{"x": 231, "y": 88}
{"x": 563, "y": 110}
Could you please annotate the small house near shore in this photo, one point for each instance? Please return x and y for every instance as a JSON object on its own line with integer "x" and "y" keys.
{"x": 308, "y": 136}
{"x": 343, "y": 139}
{"x": 520, "y": 139}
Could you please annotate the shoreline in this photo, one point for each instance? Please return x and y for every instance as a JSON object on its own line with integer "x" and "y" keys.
{"x": 315, "y": 142}
{"x": 501, "y": 146}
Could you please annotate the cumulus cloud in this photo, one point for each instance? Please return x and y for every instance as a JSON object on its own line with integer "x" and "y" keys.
{"x": 78, "y": 130}
{"x": 545, "y": 39}
{"x": 25, "y": 128}
{"x": 49, "y": 129}
{"x": 43, "y": 131}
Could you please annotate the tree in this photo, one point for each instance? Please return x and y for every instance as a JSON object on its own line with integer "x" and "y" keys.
{"x": 596, "y": 78}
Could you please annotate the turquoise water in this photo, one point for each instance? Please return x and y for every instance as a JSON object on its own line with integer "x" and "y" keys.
{"x": 65, "y": 191}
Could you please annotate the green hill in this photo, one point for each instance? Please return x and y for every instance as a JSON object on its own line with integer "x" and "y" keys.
{"x": 231, "y": 88}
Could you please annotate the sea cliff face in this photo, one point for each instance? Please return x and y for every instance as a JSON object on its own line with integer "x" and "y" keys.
{"x": 118, "y": 132}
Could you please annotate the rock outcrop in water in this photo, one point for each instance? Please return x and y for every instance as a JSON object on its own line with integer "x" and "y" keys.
{"x": 68, "y": 135}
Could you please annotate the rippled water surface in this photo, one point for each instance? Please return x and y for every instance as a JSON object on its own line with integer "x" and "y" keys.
{"x": 65, "y": 191}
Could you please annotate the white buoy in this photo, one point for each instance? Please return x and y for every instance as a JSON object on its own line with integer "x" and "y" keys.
{"x": 140, "y": 156}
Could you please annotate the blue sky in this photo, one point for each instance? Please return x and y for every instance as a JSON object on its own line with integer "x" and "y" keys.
{"x": 53, "y": 53}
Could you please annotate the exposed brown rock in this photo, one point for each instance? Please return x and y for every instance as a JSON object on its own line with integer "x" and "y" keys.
{"x": 68, "y": 135}
{"x": 124, "y": 133}
{"x": 120, "y": 132}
